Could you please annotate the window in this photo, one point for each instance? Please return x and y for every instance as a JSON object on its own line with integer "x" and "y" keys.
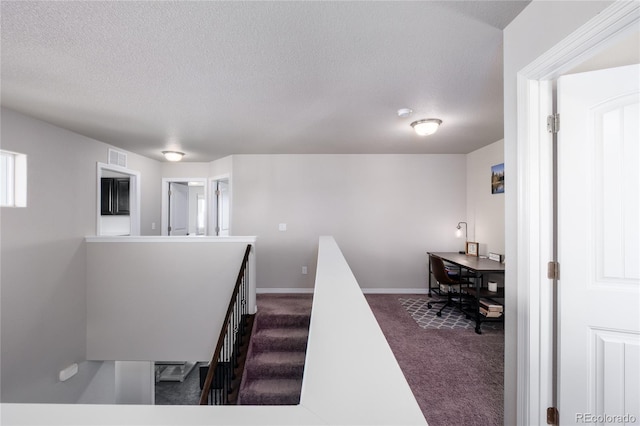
{"x": 13, "y": 179}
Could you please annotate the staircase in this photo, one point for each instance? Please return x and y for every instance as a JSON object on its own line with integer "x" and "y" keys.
{"x": 275, "y": 361}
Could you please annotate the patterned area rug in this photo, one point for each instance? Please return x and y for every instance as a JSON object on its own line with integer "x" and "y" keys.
{"x": 451, "y": 317}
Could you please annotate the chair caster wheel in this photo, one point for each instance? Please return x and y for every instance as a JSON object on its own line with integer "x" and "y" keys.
{"x": 429, "y": 306}
{"x": 438, "y": 314}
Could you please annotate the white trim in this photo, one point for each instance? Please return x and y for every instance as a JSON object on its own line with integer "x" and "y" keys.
{"x": 534, "y": 215}
{"x": 167, "y": 239}
{"x": 283, "y": 290}
{"x": 164, "y": 216}
{"x": 135, "y": 184}
{"x": 293, "y": 290}
{"x": 421, "y": 290}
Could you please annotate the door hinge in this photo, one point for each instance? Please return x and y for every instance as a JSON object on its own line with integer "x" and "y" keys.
{"x": 553, "y": 123}
{"x": 169, "y": 229}
{"x": 169, "y": 193}
{"x": 553, "y": 270}
{"x": 217, "y": 192}
{"x": 553, "y": 417}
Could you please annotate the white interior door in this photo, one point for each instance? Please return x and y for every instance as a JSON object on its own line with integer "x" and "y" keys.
{"x": 599, "y": 247}
{"x": 178, "y": 208}
{"x": 222, "y": 195}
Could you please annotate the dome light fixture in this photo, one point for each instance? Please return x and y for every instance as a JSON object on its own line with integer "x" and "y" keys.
{"x": 173, "y": 155}
{"x": 427, "y": 126}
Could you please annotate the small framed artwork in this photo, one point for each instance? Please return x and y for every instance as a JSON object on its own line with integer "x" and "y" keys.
{"x": 497, "y": 179}
{"x": 472, "y": 249}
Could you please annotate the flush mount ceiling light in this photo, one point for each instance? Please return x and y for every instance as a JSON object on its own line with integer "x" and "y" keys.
{"x": 426, "y": 127}
{"x": 173, "y": 155}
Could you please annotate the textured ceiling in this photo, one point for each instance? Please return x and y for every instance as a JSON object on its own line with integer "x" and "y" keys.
{"x": 220, "y": 78}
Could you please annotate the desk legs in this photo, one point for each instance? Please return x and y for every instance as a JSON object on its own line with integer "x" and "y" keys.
{"x": 480, "y": 282}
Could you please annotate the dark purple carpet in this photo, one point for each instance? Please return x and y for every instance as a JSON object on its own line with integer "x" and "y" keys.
{"x": 456, "y": 375}
{"x": 275, "y": 360}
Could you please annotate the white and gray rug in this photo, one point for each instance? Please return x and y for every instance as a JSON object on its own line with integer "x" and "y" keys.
{"x": 451, "y": 317}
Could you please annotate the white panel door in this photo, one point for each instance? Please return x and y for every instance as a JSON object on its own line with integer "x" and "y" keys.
{"x": 599, "y": 247}
{"x": 178, "y": 208}
{"x": 223, "y": 208}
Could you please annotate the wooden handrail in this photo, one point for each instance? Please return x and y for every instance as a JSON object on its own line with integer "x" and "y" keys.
{"x": 206, "y": 388}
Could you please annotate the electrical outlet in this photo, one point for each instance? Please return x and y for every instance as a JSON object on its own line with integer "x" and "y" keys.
{"x": 153, "y": 225}
{"x": 304, "y": 270}
{"x": 282, "y": 227}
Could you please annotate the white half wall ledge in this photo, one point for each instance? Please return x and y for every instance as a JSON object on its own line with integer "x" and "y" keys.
{"x": 376, "y": 393}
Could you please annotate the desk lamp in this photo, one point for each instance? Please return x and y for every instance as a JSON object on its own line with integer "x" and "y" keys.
{"x": 459, "y": 234}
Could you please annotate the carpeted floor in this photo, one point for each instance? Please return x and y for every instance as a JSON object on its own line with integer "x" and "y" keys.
{"x": 451, "y": 317}
{"x": 455, "y": 374}
{"x": 275, "y": 361}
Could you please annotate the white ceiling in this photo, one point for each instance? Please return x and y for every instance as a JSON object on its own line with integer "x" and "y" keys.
{"x": 220, "y": 78}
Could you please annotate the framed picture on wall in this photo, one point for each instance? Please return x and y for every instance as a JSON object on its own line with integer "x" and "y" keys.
{"x": 497, "y": 179}
{"x": 472, "y": 249}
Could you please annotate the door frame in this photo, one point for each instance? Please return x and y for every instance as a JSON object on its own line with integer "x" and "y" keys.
{"x": 535, "y": 100}
{"x": 213, "y": 212}
{"x": 164, "y": 213}
{"x": 134, "y": 195}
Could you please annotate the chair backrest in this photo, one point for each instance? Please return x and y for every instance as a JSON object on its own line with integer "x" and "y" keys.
{"x": 439, "y": 271}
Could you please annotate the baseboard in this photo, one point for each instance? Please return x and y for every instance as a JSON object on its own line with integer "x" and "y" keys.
{"x": 277, "y": 290}
{"x": 420, "y": 290}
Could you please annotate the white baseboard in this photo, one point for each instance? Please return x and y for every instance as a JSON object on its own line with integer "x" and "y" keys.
{"x": 277, "y": 290}
{"x": 420, "y": 290}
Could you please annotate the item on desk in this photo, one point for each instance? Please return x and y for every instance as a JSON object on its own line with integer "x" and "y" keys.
{"x": 495, "y": 256}
{"x": 472, "y": 248}
{"x": 493, "y": 286}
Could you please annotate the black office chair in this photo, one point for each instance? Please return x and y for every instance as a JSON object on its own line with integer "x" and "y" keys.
{"x": 450, "y": 281}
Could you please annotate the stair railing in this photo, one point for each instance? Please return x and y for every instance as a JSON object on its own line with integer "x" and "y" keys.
{"x": 225, "y": 369}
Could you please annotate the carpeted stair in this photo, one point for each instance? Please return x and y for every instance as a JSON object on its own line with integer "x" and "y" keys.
{"x": 275, "y": 361}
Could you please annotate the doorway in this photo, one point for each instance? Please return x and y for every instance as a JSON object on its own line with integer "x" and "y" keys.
{"x": 536, "y": 390}
{"x": 115, "y": 220}
{"x": 221, "y": 206}
{"x": 184, "y": 207}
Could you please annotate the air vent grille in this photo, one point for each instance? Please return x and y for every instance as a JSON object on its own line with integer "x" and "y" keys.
{"x": 117, "y": 158}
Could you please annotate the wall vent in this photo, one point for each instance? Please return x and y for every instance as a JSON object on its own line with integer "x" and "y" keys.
{"x": 117, "y": 158}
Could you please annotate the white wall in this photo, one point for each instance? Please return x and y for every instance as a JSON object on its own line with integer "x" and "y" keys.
{"x": 485, "y": 211}
{"x": 184, "y": 170}
{"x": 159, "y": 299}
{"x": 539, "y": 27}
{"x": 378, "y": 393}
{"x": 134, "y": 382}
{"x": 385, "y": 212}
{"x": 102, "y": 388}
{"x": 222, "y": 166}
{"x": 43, "y": 260}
